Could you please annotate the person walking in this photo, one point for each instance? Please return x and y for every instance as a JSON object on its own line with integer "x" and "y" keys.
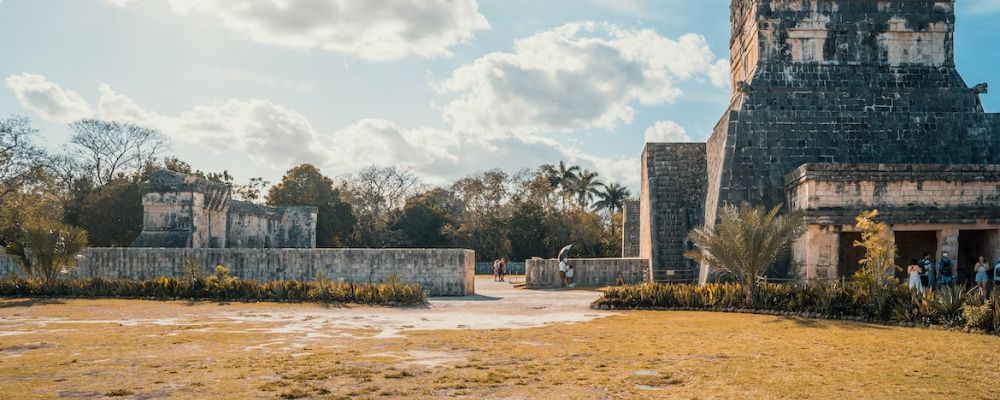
{"x": 927, "y": 264}
{"x": 982, "y": 275}
{"x": 946, "y": 271}
{"x": 996, "y": 274}
{"x": 914, "y": 271}
{"x": 563, "y": 267}
{"x": 503, "y": 268}
{"x": 496, "y": 270}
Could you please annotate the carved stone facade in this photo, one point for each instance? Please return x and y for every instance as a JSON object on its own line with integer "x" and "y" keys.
{"x": 834, "y": 82}
{"x": 185, "y": 211}
{"x": 931, "y": 209}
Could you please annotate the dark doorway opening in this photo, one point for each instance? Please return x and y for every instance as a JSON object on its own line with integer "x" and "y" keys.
{"x": 912, "y": 245}
{"x": 972, "y": 245}
{"x": 849, "y": 255}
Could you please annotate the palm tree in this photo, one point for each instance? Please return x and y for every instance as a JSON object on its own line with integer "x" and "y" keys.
{"x": 612, "y": 199}
{"x": 585, "y": 187}
{"x": 561, "y": 178}
{"x": 51, "y": 248}
{"x": 746, "y": 242}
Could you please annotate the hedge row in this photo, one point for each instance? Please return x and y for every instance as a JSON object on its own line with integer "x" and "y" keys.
{"x": 889, "y": 303}
{"x": 224, "y": 288}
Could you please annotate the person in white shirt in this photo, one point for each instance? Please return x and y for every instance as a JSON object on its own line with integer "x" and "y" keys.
{"x": 563, "y": 267}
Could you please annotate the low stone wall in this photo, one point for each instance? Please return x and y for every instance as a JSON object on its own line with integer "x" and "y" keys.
{"x": 588, "y": 272}
{"x": 486, "y": 268}
{"x": 442, "y": 272}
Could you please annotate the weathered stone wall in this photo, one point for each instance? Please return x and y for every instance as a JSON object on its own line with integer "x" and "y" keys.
{"x": 589, "y": 272}
{"x": 442, "y": 272}
{"x": 184, "y": 211}
{"x": 674, "y": 183}
{"x": 841, "y": 81}
{"x": 630, "y": 229}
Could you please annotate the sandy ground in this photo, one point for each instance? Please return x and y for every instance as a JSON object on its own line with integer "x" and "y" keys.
{"x": 497, "y": 305}
{"x": 505, "y": 343}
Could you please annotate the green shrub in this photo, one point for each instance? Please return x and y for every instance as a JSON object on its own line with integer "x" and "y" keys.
{"x": 221, "y": 287}
{"x": 890, "y": 301}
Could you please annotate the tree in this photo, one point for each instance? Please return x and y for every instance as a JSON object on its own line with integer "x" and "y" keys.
{"x": 112, "y": 215}
{"x": 745, "y": 242}
{"x": 304, "y": 185}
{"x": 111, "y": 150}
{"x": 375, "y": 193}
{"x": 51, "y": 249}
{"x": 425, "y": 218}
{"x": 612, "y": 200}
{"x": 585, "y": 187}
{"x": 880, "y": 248}
{"x": 20, "y": 159}
{"x": 561, "y": 178}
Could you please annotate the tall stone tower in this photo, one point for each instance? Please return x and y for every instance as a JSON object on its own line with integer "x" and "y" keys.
{"x": 841, "y": 81}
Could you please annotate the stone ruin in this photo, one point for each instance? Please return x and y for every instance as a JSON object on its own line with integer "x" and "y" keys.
{"x": 186, "y": 211}
{"x": 837, "y": 106}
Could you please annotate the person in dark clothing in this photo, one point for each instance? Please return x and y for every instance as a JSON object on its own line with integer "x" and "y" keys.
{"x": 927, "y": 270}
{"x": 946, "y": 271}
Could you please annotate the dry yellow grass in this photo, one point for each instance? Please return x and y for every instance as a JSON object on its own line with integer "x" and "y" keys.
{"x": 635, "y": 355}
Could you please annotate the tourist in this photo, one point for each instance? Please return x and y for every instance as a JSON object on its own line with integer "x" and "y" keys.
{"x": 563, "y": 267}
{"x": 569, "y": 275}
{"x": 982, "y": 275}
{"x": 927, "y": 264}
{"x": 496, "y": 270}
{"x": 945, "y": 271}
{"x": 503, "y": 268}
{"x": 996, "y": 274}
{"x": 914, "y": 271}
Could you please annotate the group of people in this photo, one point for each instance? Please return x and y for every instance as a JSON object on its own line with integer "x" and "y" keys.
{"x": 499, "y": 269}
{"x": 925, "y": 274}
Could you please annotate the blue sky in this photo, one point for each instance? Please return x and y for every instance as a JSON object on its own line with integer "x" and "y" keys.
{"x": 445, "y": 87}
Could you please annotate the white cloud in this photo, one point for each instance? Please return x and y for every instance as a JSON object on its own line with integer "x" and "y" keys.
{"x": 983, "y": 6}
{"x": 368, "y": 29}
{"x": 667, "y": 131}
{"x": 120, "y": 3}
{"x": 266, "y": 132}
{"x": 48, "y": 99}
{"x": 582, "y": 75}
{"x": 719, "y": 73}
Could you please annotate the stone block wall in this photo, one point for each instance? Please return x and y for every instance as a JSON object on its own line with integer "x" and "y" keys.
{"x": 589, "y": 272}
{"x": 673, "y": 182}
{"x": 630, "y": 229}
{"x": 442, "y": 272}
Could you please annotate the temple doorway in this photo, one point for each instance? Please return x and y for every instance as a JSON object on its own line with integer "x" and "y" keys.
{"x": 912, "y": 245}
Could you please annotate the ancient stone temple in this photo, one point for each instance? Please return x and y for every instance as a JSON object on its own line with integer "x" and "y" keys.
{"x": 185, "y": 211}
{"x": 837, "y": 106}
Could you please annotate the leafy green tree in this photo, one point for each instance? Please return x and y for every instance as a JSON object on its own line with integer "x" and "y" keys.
{"x": 879, "y": 261}
{"x": 112, "y": 215}
{"x": 612, "y": 198}
{"x": 424, "y": 220}
{"x": 304, "y": 185}
{"x": 50, "y": 248}
{"x": 528, "y": 231}
{"x": 745, "y": 242}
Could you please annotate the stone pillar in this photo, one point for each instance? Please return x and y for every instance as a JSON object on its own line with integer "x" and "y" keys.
{"x": 947, "y": 241}
{"x": 816, "y": 253}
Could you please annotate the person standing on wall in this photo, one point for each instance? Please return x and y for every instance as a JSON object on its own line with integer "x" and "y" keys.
{"x": 946, "y": 271}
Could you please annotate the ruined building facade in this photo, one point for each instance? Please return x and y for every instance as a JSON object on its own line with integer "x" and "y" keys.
{"x": 185, "y": 211}
{"x": 858, "y": 99}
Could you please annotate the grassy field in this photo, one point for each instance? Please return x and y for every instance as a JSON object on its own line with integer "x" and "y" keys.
{"x": 145, "y": 350}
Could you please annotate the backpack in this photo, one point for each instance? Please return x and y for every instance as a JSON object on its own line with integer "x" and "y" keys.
{"x": 945, "y": 268}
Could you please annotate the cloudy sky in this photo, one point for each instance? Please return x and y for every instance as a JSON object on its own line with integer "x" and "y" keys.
{"x": 446, "y": 87}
